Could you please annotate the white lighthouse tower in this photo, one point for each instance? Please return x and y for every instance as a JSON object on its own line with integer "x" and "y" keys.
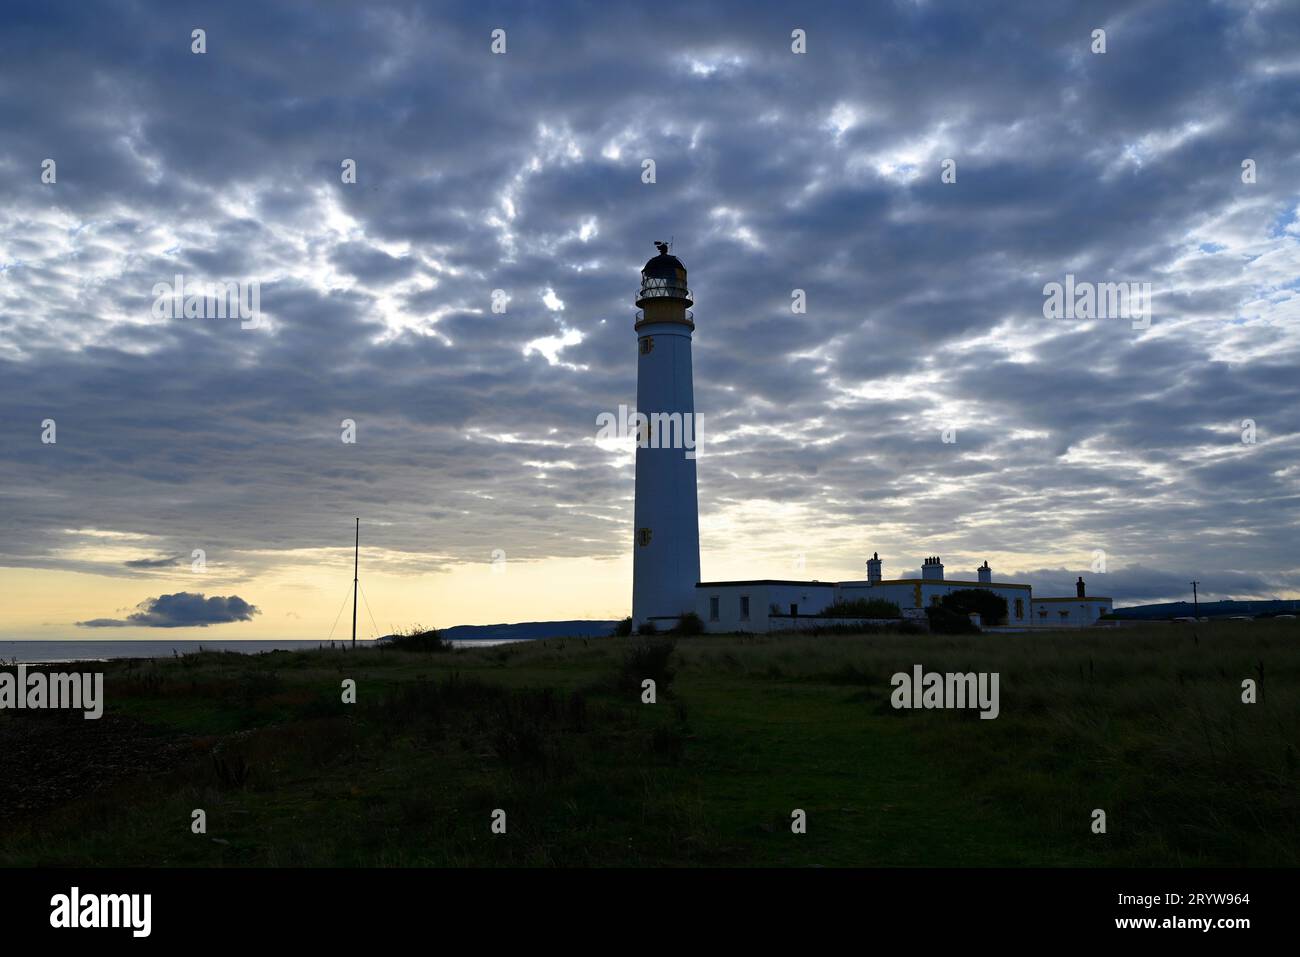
{"x": 666, "y": 543}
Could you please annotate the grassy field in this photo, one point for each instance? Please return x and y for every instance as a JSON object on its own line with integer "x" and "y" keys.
{"x": 1145, "y": 723}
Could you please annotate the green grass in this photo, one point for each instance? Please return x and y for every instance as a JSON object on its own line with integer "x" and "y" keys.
{"x": 1146, "y": 723}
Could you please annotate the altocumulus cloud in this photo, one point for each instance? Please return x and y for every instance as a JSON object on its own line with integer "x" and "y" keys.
{"x": 181, "y": 610}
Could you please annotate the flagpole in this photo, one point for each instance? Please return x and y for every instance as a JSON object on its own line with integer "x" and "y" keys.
{"x": 356, "y": 563}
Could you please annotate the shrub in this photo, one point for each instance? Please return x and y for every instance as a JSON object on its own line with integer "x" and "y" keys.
{"x": 863, "y": 608}
{"x": 649, "y": 628}
{"x": 689, "y": 624}
{"x": 417, "y": 638}
{"x": 623, "y": 628}
{"x": 946, "y": 621}
{"x": 647, "y": 659}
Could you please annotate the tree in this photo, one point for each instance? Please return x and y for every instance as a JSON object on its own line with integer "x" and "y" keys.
{"x": 991, "y": 607}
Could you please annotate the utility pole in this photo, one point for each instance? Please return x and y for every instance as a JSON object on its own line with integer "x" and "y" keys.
{"x": 356, "y": 564}
{"x": 1196, "y": 606}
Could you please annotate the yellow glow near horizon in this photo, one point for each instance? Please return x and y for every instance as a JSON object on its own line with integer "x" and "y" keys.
{"x": 304, "y": 601}
{"x": 304, "y": 593}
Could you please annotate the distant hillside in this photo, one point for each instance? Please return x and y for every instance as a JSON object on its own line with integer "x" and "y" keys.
{"x": 528, "y": 630}
{"x": 1211, "y": 609}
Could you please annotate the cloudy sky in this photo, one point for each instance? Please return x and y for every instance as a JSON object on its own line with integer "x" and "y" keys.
{"x": 483, "y": 493}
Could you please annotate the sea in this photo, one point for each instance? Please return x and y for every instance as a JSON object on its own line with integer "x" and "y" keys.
{"x": 51, "y": 652}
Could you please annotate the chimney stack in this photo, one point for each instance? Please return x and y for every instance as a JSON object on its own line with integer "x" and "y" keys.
{"x": 985, "y": 573}
{"x": 932, "y": 570}
{"x": 873, "y": 569}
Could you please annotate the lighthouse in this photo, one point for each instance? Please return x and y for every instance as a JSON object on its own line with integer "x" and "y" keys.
{"x": 666, "y": 535}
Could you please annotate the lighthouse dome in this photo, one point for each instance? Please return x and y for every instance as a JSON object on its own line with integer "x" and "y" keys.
{"x": 664, "y": 277}
{"x": 665, "y": 266}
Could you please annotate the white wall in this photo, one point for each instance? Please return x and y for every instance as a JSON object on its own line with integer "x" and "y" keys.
{"x": 810, "y": 597}
{"x": 1069, "y": 613}
{"x": 814, "y": 597}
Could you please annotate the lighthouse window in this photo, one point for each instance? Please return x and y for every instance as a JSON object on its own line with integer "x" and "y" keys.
{"x": 744, "y": 608}
{"x": 1020, "y": 608}
{"x": 647, "y": 344}
{"x": 643, "y": 537}
{"x": 713, "y": 607}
